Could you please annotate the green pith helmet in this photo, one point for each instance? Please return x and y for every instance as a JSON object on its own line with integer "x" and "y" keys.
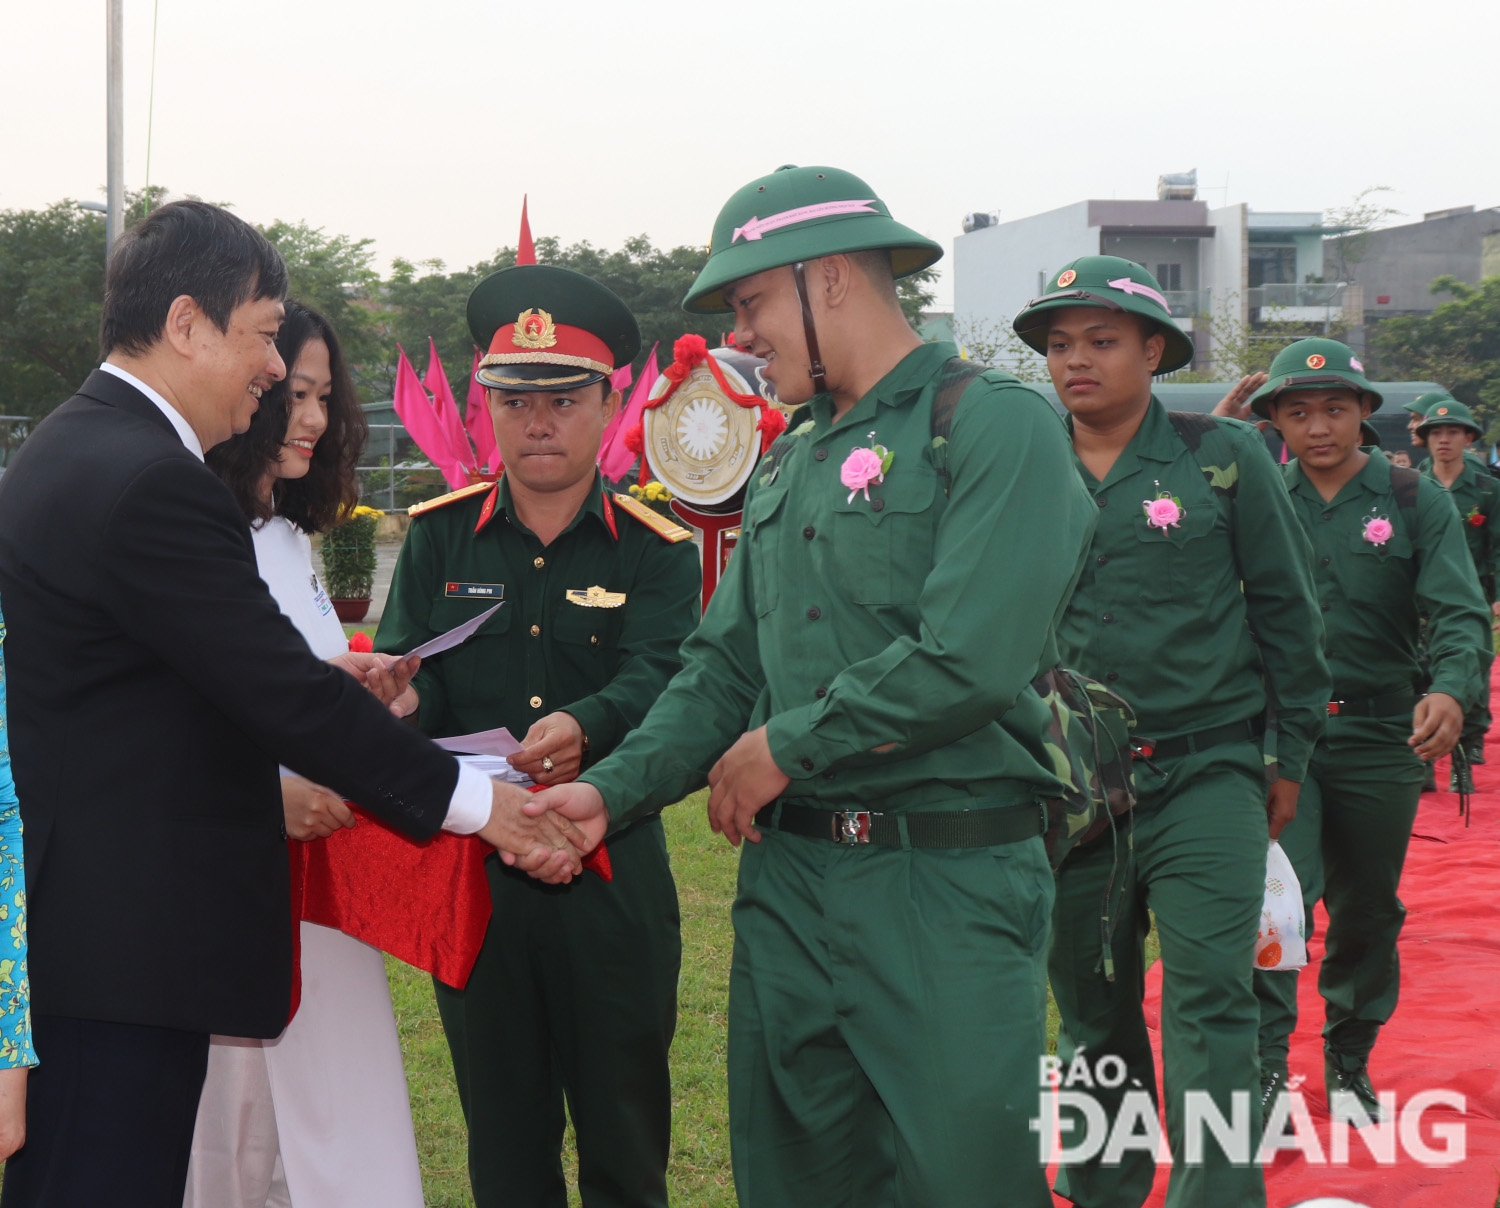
{"x": 1115, "y": 284}
{"x": 1424, "y": 403}
{"x": 1367, "y": 434}
{"x": 1309, "y": 363}
{"x": 548, "y": 328}
{"x": 800, "y": 214}
{"x": 1449, "y": 411}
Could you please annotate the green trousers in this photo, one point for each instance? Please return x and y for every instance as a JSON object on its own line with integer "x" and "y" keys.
{"x": 574, "y": 996}
{"x": 1347, "y": 846}
{"x": 1199, "y": 838}
{"x": 1478, "y": 719}
{"x": 887, "y": 1018}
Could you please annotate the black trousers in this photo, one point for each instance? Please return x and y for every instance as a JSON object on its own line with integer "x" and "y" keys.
{"x": 109, "y": 1116}
{"x": 574, "y": 997}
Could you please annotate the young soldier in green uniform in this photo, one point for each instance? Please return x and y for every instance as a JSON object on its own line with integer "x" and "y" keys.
{"x": 1196, "y": 606}
{"x": 574, "y": 995}
{"x": 858, "y": 697}
{"x": 1450, "y": 429}
{"x": 1387, "y": 546}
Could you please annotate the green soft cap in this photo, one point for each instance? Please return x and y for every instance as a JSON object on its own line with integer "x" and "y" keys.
{"x": 800, "y": 214}
{"x": 1308, "y": 364}
{"x": 1449, "y": 410}
{"x": 1113, "y": 283}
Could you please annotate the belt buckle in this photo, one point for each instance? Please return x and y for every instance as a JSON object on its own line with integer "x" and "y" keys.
{"x": 851, "y": 827}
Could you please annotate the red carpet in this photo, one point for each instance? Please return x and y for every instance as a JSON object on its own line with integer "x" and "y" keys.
{"x": 1445, "y": 1033}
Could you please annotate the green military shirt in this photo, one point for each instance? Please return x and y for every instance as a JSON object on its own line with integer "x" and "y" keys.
{"x": 888, "y": 644}
{"x": 1372, "y": 594}
{"x": 1192, "y": 624}
{"x": 1477, "y": 496}
{"x": 542, "y": 651}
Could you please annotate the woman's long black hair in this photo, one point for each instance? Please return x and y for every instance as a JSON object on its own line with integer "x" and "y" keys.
{"x": 314, "y": 502}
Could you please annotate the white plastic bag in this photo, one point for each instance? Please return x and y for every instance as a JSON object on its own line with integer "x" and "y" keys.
{"x": 1282, "y": 940}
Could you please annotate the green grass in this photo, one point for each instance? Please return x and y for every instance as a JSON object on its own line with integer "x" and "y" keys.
{"x": 699, "y": 1176}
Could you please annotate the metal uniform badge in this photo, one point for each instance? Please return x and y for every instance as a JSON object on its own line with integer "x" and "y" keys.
{"x": 595, "y": 597}
{"x": 534, "y": 329}
{"x": 1066, "y": 279}
{"x": 1316, "y": 361}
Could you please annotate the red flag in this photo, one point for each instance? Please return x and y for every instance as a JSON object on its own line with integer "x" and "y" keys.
{"x": 614, "y": 458}
{"x": 525, "y": 249}
{"x": 446, "y": 407}
{"x": 477, "y": 421}
{"x": 422, "y": 424}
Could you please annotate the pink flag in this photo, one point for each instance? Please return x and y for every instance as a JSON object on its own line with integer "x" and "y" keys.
{"x": 421, "y": 423}
{"x": 614, "y": 458}
{"x": 477, "y": 421}
{"x": 620, "y": 379}
{"x": 446, "y": 407}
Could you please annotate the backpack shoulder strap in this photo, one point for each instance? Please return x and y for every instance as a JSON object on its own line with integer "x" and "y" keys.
{"x": 1210, "y": 448}
{"x": 953, "y": 380}
{"x": 1404, "y": 484}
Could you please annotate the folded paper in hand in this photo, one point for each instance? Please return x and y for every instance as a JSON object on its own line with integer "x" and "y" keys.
{"x": 456, "y": 636}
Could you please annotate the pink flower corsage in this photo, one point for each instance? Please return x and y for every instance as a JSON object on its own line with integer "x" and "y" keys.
{"x": 863, "y": 467}
{"x": 1165, "y": 511}
{"x": 1378, "y": 530}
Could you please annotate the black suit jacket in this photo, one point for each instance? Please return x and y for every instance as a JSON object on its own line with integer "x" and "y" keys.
{"x": 153, "y": 688}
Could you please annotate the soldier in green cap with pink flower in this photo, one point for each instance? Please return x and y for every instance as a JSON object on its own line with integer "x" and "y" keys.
{"x": 1196, "y": 605}
{"x": 1388, "y": 549}
{"x": 859, "y": 699}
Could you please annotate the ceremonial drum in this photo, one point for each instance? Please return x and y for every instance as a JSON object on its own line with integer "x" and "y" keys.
{"x": 702, "y": 444}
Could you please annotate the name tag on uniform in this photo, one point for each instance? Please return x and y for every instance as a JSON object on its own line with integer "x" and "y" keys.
{"x": 595, "y": 597}
{"x": 320, "y": 597}
{"x": 475, "y": 591}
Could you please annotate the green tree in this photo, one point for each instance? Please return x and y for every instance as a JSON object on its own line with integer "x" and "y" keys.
{"x": 1457, "y": 345}
{"x": 336, "y": 276}
{"x": 996, "y": 344}
{"x": 51, "y": 287}
{"x": 1360, "y": 216}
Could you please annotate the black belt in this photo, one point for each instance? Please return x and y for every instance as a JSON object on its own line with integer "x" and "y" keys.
{"x": 1200, "y": 740}
{"x": 1391, "y": 704}
{"x": 948, "y": 828}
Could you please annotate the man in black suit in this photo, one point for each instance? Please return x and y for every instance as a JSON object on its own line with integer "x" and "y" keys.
{"x": 154, "y": 687}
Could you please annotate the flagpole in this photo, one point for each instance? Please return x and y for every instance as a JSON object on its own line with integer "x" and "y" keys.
{"x": 114, "y": 23}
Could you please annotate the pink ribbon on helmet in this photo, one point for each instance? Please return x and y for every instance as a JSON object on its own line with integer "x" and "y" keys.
{"x": 756, "y": 227}
{"x": 1126, "y": 286}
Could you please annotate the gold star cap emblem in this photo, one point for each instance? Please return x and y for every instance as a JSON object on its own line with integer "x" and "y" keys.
{"x": 1066, "y": 279}
{"x": 534, "y": 329}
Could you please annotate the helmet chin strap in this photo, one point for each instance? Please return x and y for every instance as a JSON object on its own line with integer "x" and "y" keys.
{"x": 815, "y": 370}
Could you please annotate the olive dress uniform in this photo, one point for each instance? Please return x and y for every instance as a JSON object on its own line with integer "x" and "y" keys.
{"x": 574, "y": 993}
{"x": 1348, "y": 841}
{"x": 1477, "y": 496}
{"x": 1199, "y": 624}
{"x": 887, "y": 1003}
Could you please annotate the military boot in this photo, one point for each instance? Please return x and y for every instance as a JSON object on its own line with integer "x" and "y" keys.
{"x": 1429, "y": 784}
{"x": 1272, "y": 1089}
{"x": 1347, "y": 1080}
{"x": 1461, "y": 778}
{"x": 1475, "y": 751}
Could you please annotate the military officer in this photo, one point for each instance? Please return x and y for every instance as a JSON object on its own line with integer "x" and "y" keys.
{"x": 1195, "y": 605}
{"x": 1388, "y": 546}
{"x": 858, "y": 697}
{"x": 574, "y": 995}
{"x": 1450, "y": 430}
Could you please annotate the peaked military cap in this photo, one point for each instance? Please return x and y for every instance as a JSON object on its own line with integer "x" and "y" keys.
{"x": 1309, "y": 363}
{"x": 1449, "y": 411}
{"x": 548, "y": 328}
{"x": 1113, "y": 283}
{"x": 800, "y": 214}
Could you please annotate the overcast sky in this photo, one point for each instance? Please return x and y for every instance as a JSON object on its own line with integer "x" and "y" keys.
{"x": 628, "y": 118}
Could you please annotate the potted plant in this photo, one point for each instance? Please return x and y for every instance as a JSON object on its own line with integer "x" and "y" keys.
{"x": 349, "y": 563}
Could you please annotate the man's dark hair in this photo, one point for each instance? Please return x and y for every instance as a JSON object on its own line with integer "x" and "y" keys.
{"x": 330, "y": 486}
{"x": 186, "y": 247}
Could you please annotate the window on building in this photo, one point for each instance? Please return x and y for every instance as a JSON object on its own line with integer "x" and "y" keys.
{"x": 1273, "y": 264}
{"x": 1170, "y": 276}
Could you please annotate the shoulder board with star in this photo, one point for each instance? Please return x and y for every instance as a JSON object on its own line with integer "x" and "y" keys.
{"x": 442, "y": 501}
{"x": 667, "y": 530}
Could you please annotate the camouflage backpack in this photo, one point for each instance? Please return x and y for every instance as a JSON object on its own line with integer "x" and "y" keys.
{"x": 1088, "y": 735}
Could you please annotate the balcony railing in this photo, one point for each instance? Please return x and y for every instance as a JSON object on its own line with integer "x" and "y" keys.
{"x": 1323, "y": 295}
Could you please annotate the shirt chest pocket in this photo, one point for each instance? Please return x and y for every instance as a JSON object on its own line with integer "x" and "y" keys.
{"x": 1373, "y": 574}
{"x": 1180, "y": 561}
{"x": 588, "y": 633}
{"x": 470, "y": 668}
{"x": 760, "y": 530}
{"x": 883, "y": 546}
